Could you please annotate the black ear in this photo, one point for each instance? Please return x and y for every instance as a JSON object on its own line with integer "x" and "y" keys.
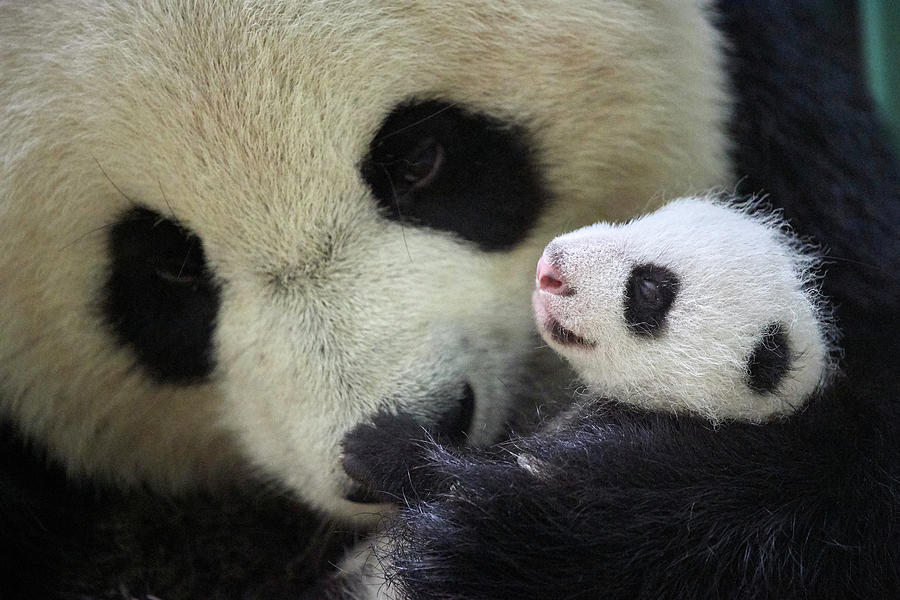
{"x": 770, "y": 360}
{"x": 649, "y": 294}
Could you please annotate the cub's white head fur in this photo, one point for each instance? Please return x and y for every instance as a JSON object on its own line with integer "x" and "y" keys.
{"x": 697, "y": 307}
{"x": 238, "y": 129}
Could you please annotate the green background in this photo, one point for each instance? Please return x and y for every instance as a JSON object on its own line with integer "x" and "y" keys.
{"x": 880, "y": 21}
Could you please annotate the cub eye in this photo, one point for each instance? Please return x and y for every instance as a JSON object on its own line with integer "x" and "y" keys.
{"x": 432, "y": 164}
{"x": 160, "y": 298}
{"x": 649, "y": 294}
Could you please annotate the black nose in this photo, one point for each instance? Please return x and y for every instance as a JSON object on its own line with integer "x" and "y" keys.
{"x": 454, "y": 425}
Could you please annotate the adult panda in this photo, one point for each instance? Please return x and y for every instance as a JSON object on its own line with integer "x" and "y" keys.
{"x": 230, "y": 232}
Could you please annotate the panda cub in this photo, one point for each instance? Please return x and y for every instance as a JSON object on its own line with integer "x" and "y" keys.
{"x": 700, "y": 306}
{"x": 704, "y": 307}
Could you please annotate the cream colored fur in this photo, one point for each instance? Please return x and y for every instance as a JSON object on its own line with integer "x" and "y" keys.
{"x": 737, "y": 274}
{"x": 246, "y": 121}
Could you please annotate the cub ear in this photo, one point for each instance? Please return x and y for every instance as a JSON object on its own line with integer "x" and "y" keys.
{"x": 649, "y": 294}
{"x": 770, "y": 360}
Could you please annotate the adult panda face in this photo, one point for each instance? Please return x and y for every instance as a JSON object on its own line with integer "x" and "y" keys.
{"x": 231, "y": 232}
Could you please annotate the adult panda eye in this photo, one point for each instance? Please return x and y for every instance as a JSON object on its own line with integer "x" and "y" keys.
{"x": 160, "y": 298}
{"x": 436, "y": 165}
{"x": 168, "y": 262}
{"x": 420, "y": 166}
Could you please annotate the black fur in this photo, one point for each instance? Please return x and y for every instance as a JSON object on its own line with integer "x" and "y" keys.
{"x": 622, "y": 504}
{"x": 65, "y": 540}
{"x": 160, "y": 298}
{"x": 619, "y": 503}
{"x": 382, "y": 455}
{"x": 433, "y": 164}
{"x": 770, "y": 360}
{"x": 454, "y": 424}
{"x": 809, "y": 139}
{"x": 649, "y": 294}
{"x": 379, "y": 455}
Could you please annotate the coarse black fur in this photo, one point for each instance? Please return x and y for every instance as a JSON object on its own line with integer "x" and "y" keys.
{"x": 620, "y": 503}
{"x": 382, "y": 456}
{"x": 623, "y": 504}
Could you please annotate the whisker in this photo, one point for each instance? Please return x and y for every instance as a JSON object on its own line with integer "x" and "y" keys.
{"x": 397, "y": 206}
{"x": 186, "y": 256}
{"x": 86, "y": 234}
{"x": 417, "y": 123}
{"x": 860, "y": 263}
{"x": 166, "y": 200}
{"x": 113, "y": 183}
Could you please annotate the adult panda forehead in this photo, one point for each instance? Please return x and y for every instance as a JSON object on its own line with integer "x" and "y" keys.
{"x": 266, "y": 94}
{"x": 247, "y": 126}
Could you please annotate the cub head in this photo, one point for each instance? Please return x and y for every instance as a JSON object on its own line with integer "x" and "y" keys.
{"x": 697, "y": 307}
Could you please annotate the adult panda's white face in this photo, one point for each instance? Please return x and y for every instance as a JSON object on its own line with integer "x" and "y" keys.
{"x": 230, "y": 231}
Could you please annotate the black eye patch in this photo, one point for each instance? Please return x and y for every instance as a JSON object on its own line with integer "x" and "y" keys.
{"x": 436, "y": 165}
{"x": 649, "y": 294}
{"x": 160, "y": 299}
{"x": 770, "y": 360}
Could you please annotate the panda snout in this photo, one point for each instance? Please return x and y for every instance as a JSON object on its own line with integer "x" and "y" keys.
{"x": 549, "y": 279}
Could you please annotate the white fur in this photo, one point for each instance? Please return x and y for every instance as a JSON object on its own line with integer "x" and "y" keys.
{"x": 362, "y": 571}
{"x": 738, "y": 273}
{"x": 246, "y": 121}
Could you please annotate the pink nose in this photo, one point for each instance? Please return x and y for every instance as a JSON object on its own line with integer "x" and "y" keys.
{"x": 549, "y": 279}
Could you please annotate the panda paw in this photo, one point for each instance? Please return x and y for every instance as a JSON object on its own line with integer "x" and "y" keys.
{"x": 380, "y": 455}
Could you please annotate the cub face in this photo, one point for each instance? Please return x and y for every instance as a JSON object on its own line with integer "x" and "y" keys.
{"x": 231, "y": 231}
{"x": 697, "y": 307}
